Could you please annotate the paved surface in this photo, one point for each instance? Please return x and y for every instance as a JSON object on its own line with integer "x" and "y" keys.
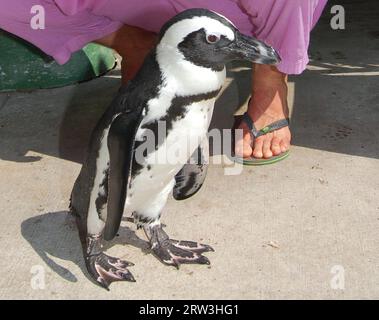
{"x": 279, "y": 231}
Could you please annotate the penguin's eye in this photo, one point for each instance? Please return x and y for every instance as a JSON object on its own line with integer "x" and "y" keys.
{"x": 212, "y": 38}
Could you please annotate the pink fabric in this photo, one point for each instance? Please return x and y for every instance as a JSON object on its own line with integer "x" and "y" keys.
{"x": 63, "y": 34}
{"x": 72, "y": 7}
{"x": 286, "y": 25}
{"x": 70, "y": 24}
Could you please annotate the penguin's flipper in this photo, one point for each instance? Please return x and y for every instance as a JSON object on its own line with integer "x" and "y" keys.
{"x": 191, "y": 177}
{"x": 120, "y": 145}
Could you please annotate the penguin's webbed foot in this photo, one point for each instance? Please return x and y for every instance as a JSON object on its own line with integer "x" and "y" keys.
{"x": 105, "y": 269}
{"x": 174, "y": 252}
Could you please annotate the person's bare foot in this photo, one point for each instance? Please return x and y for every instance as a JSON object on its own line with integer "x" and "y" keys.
{"x": 132, "y": 44}
{"x": 267, "y": 105}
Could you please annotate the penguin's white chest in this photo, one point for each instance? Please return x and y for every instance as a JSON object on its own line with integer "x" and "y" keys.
{"x": 149, "y": 189}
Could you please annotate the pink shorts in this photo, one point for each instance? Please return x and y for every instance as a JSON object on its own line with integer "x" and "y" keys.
{"x": 69, "y": 25}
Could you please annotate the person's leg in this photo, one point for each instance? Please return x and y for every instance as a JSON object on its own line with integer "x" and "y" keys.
{"x": 132, "y": 44}
{"x": 142, "y": 21}
{"x": 286, "y": 25}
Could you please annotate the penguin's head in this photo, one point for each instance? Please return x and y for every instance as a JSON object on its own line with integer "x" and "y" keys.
{"x": 207, "y": 39}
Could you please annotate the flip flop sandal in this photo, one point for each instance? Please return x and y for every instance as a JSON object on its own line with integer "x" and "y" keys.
{"x": 251, "y": 161}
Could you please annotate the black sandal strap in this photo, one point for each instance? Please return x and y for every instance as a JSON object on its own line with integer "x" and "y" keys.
{"x": 269, "y": 128}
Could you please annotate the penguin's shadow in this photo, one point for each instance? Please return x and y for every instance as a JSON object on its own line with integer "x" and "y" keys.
{"x": 54, "y": 236}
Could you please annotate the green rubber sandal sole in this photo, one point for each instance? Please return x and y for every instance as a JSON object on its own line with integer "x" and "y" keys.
{"x": 262, "y": 162}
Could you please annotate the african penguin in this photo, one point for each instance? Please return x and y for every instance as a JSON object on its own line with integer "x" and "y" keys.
{"x": 176, "y": 89}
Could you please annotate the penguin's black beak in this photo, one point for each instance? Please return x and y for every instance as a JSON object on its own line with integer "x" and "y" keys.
{"x": 251, "y": 49}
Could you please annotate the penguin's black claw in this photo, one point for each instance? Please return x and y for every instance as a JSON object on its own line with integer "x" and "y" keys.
{"x": 105, "y": 269}
{"x": 175, "y": 252}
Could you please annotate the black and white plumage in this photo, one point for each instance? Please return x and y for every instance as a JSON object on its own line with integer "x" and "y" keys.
{"x": 177, "y": 86}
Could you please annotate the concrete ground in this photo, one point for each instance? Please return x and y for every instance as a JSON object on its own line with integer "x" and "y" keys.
{"x": 305, "y": 228}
